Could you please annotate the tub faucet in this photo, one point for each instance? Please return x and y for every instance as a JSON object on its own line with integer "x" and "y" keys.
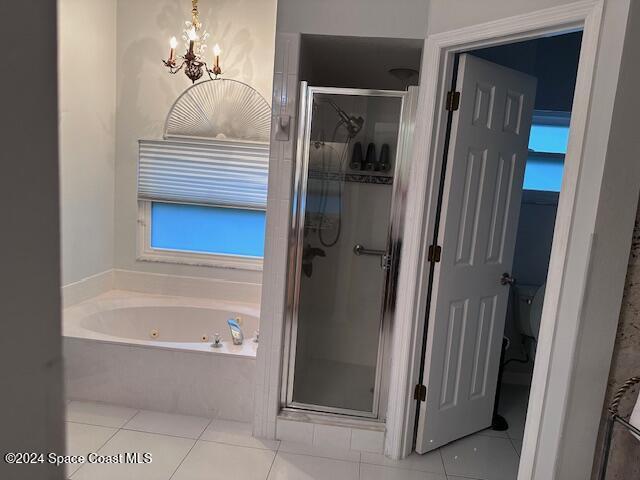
{"x": 217, "y": 340}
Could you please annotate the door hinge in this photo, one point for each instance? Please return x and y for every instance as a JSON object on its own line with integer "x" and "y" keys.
{"x": 434, "y": 253}
{"x": 453, "y": 101}
{"x": 420, "y": 393}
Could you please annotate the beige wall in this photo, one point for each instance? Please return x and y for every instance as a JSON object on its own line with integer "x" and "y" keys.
{"x": 87, "y": 34}
{"x": 365, "y": 18}
{"x": 30, "y": 345}
{"x": 244, "y": 29}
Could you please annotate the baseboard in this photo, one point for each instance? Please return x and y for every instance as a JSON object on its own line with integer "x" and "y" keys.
{"x": 87, "y": 288}
{"x": 165, "y": 284}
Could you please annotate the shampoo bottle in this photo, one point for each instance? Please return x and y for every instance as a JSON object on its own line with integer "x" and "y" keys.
{"x": 236, "y": 331}
{"x": 356, "y": 157}
{"x": 370, "y": 160}
{"x": 385, "y": 161}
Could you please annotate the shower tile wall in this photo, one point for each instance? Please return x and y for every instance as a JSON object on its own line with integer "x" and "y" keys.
{"x": 623, "y": 463}
{"x": 284, "y": 102}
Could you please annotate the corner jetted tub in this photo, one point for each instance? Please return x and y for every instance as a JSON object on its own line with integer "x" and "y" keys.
{"x": 154, "y": 352}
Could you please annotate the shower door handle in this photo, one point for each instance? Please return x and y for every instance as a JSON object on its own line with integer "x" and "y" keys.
{"x": 385, "y": 259}
{"x": 362, "y": 250}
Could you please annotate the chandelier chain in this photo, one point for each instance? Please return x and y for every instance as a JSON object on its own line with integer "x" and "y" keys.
{"x": 195, "y": 21}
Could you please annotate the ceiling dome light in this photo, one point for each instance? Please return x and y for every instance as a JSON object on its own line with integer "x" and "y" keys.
{"x": 404, "y": 73}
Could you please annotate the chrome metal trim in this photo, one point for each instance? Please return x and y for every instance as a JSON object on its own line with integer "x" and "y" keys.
{"x": 289, "y": 413}
{"x": 296, "y": 242}
{"x": 362, "y": 250}
{"x": 294, "y": 252}
{"x": 310, "y": 407}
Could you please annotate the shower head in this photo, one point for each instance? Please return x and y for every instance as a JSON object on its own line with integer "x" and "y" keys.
{"x": 352, "y": 123}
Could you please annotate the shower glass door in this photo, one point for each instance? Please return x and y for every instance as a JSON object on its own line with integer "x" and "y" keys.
{"x": 347, "y": 165}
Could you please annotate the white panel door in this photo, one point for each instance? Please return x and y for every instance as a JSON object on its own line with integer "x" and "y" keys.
{"x": 481, "y": 204}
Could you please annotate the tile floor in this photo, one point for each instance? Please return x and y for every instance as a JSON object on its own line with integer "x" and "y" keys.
{"x": 193, "y": 448}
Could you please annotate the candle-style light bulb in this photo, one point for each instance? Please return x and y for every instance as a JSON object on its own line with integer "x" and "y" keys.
{"x": 216, "y": 67}
{"x": 192, "y": 35}
{"x": 173, "y": 43}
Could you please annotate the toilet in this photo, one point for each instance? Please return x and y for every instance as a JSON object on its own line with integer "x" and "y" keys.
{"x": 528, "y": 309}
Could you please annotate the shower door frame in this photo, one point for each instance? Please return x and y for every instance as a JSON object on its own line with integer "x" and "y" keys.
{"x": 296, "y": 237}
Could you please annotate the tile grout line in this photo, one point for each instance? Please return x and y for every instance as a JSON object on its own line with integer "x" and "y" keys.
{"x": 462, "y": 476}
{"x": 131, "y": 418}
{"x": 219, "y": 442}
{"x": 93, "y": 424}
{"x": 124, "y": 427}
{"x": 275, "y": 454}
{"x": 514, "y": 446}
{"x": 396, "y": 467}
{"x": 100, "y": 447}
{"x": 157, "y": 433}
{"x": 192, "y": 447}
{"x": 200, "y": 439}
{"x": 205, "y": 428}
{"x": 183, "y": 459}
{"x": 444, "y": 467}
{"x": 118, "y": 429}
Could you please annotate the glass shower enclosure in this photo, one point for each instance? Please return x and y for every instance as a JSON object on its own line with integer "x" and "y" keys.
{"x": 350, "y": 176}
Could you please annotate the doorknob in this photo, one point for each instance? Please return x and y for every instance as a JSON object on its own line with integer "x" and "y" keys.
{"x": 507, "y": 279}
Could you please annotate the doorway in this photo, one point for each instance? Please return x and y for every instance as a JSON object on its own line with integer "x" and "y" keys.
{"x": 507, "y": 132}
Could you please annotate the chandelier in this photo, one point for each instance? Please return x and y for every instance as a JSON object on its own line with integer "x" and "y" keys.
{"x": 193, "y": 61}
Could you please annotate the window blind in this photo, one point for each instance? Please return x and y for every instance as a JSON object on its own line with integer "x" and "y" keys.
{"x": 220, "y": 173}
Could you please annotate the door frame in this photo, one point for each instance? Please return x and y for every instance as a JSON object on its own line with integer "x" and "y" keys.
{"x": 296, "y": 241}
{"x": 437, "y": 70}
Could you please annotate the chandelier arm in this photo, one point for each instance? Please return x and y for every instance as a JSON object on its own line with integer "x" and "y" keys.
{"x": 174, "y": 70}
{"x": 210, "y": 71}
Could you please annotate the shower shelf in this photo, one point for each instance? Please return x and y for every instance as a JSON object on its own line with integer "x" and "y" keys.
{"x": 353, "y": 177}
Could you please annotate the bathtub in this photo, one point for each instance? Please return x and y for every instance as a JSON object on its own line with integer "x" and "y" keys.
{"x": 154, "y": 352}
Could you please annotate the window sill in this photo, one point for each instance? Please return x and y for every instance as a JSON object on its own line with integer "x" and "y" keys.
{"x": 200, "y": 259}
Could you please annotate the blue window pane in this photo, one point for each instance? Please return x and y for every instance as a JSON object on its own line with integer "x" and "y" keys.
{"x": 542, "y": 173}
{"x": 195, "y": 228}
{"x": 549, "y": 138}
